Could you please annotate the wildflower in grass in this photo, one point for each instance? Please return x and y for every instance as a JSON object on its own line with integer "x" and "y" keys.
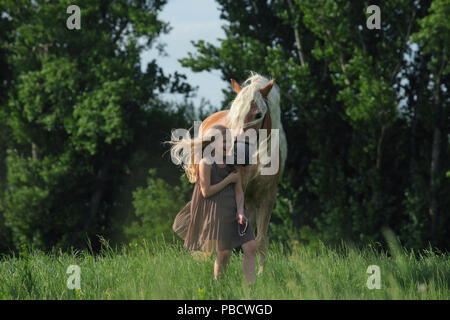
{"x": 422, "y": 287}
{"x": 108, "y": 293}
{"x": 290, "y": 284}
{"x": 78, "y": 293}
{"x": 201, "y": 294}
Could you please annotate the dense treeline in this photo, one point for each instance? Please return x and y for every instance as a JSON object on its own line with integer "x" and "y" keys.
{"x": 81, "y": 118}
{"x": 365, "y": 112}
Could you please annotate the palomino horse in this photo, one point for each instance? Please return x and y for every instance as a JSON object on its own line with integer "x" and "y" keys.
{"x": 255, "y": 106}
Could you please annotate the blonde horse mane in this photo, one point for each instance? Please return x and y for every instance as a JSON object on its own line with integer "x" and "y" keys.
{"x": 240, "y": 107}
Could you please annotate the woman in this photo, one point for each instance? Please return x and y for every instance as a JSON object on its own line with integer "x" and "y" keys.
{"x": 210, "y": 221}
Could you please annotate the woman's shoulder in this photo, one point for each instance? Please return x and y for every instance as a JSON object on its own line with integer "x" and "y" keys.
{"x": 206, "y": 166}
{"x": 206, "y": 162}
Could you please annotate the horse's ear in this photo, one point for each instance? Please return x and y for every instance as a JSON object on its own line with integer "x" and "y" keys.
{"x": 236, "y": 87}
{"x": 265, "y": 91}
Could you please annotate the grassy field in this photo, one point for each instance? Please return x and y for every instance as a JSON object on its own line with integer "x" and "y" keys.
{"x": 160, "y": 271}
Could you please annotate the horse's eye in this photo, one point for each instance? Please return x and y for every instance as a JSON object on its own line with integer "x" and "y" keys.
{"x": 258, "y": 115}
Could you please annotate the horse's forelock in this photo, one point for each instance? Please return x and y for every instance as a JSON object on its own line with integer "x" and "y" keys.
{"x": 242, "y": 103}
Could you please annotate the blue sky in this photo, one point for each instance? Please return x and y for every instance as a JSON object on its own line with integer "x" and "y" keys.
{"x": 190, "y": 20}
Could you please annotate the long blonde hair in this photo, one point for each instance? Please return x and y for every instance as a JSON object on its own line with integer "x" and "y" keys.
{"x": 188, "y": 151}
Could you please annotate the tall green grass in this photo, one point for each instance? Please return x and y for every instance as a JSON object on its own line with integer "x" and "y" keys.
{"x": 158, "y": 270}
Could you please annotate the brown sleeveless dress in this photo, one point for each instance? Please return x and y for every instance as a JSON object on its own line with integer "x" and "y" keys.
{"x": 210, "y": 224}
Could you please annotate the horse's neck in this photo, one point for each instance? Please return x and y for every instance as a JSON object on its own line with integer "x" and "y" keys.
{"x": 275, "y": 118}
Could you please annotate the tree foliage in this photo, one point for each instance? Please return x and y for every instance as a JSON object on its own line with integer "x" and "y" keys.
{"x": 84, "y": 116}
{"x": 356, "y": 107}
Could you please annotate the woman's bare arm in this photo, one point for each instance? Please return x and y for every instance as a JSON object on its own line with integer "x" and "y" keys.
{"x": 205, "y": 180}
{"x": 239, "y": 196}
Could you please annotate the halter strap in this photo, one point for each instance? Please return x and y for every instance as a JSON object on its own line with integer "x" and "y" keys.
{"x": 262, "y": 124}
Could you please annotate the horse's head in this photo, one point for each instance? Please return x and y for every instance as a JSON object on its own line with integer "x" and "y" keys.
{"x": 250, "y": 108}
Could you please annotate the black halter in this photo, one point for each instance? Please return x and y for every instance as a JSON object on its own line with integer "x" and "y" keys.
{"x": 262, "y": 122}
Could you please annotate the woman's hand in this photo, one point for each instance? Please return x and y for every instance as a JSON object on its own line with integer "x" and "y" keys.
{"x": 233, "y": 177}
{"x": 242, "y": 218}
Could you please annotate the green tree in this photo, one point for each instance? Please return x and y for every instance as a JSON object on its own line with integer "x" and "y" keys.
{"x": 5, "y": 132}
{"x": 434, "y": 40}
{"x": 344, "y": 89}
{"x": 156, "y": 207}
{"x": 85, "y": 117}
